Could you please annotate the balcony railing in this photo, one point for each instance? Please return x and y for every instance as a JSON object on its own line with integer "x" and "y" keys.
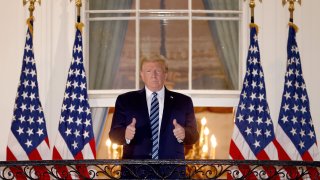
{"x": 164, "y": 169}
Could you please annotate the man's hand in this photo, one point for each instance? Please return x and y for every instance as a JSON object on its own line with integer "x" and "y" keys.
{"x": 178, "y": 131}
{"x": 131, "y": 130}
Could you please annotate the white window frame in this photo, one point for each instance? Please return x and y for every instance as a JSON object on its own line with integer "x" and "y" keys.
{"x": 201, "y": 98}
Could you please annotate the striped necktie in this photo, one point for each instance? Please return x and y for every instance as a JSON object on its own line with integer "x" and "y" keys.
{"x": 154, "y": 120}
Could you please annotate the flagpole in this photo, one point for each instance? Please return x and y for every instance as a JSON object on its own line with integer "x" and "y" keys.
{"x": 24, "y": 142}
{"x": 79, "y": 25}
{"x": 294, "y": 145}
{"x": 31, "y": 9}
{"x": 31, "y": 5}
{"x": 252, "y": 5}
{"x": 291, "y": 7}
{"x": 78, "y": 4}
{"x": 253, "y": 133}
{"x": 79, "y": 119}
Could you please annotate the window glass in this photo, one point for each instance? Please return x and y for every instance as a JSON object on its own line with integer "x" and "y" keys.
{"x": 170, "y": 39}
{"x": 110, "y": 15}
{"x": 216, "y": 4}
{"x": 112, "y": 55}
{"x": 215, "y": 55}
{"x": 111, "y": 4}
{"x": 164, "y": 4}
{"x": 202, "y": 47}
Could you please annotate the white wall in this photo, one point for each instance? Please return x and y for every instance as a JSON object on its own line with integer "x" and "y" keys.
{"x": 54, "y": 30}
{"x": 54, "y": 35}
{"x": 273, "y": 18}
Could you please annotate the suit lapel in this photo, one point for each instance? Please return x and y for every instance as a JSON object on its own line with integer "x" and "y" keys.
{"x": 166, "y": 117}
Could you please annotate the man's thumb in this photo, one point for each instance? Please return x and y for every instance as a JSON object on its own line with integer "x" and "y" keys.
{"x": 175, "y": 123}
{"x": 133, "y": 123}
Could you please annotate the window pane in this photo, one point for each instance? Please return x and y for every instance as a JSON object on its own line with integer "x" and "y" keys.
{"x": 164, "y": 4}
{"x": 215, "y": 55}
{"x": 112, "y": 55}
{"x": 215, "y": 43}
{"x": 111, "y": 4}
{"x": 170, "y": 39}
{"x": 108, "y": 15}
{"x": 216, "y": 4}
{"x": 222, "y": 16}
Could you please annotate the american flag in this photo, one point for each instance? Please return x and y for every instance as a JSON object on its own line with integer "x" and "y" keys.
{"x": 75, "y": 138}
{"x": 295, "y": 130}
{"x": 28, "y": 138}
{"x": 253, "y": 136}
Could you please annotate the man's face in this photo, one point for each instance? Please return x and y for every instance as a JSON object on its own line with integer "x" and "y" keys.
{"x": 153, "y": 75}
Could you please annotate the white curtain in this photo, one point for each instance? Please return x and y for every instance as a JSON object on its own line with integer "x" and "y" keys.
{"x": 106, "y": 44}
{"x": 226, "y": 35}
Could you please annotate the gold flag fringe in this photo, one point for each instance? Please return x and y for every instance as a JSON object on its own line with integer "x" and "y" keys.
{"x": 253, "y": 25}
{"x": 79, "y": 26}
{"x": 295, "y": 27}
{"x": 29, "y": 24}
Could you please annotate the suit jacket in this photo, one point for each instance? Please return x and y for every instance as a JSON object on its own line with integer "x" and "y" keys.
{"x": 134, "y": 105}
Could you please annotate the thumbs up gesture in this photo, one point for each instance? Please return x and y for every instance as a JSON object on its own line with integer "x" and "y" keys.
{"x": 178, "y": 131}
{"x": 131, "y": 130}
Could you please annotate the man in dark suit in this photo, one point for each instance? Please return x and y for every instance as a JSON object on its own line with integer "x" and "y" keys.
{"x": 161, "y": 133}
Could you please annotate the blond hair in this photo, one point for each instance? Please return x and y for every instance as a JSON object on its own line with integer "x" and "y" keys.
{"x": 155, "y": 58}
